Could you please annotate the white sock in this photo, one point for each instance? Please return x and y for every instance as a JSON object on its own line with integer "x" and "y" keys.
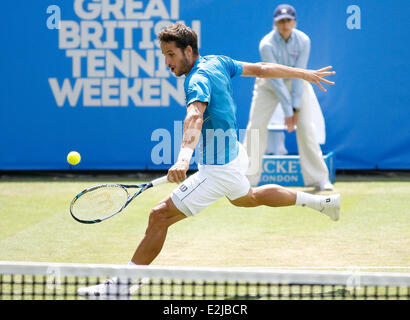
{"x": 309, "y": 200}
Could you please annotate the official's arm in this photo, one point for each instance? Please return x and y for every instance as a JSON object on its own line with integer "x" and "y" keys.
{"x": 301, "y": 62}
{"x": 278, "y": 85}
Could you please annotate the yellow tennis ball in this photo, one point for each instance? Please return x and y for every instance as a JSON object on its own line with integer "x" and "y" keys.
{"x": 73, "y": 158}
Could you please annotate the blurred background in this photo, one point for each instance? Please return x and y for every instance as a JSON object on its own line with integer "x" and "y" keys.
{"x": 96, "y": 82}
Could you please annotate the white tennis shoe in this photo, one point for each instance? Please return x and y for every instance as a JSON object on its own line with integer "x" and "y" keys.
{"x": 331, "y": 206}
{"x": 112, "y": 289}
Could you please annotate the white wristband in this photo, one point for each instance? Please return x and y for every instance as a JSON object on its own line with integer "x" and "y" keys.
{"x": 185, "y": 154}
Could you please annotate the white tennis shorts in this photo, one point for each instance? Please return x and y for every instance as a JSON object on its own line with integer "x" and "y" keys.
{"x": 212, "y": 182}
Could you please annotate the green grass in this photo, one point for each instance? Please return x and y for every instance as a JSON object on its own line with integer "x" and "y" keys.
{"x": 374, "y": 229}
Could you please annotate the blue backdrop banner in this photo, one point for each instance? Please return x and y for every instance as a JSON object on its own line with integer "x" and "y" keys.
{"x": 88, "y": 75}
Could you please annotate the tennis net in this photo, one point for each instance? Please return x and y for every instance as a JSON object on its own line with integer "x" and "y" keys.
{"x": 44, "y": 281}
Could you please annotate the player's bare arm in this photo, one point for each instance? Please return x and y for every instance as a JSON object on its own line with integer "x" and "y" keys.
{"x": 273, "y": 70}
{"x": 191, "y": 134}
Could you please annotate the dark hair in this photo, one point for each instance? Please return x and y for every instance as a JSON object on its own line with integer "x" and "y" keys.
{"x": 182, "y": 35}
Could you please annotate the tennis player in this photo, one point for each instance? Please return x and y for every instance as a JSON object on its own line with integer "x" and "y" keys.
{"x": 211, "y": 122}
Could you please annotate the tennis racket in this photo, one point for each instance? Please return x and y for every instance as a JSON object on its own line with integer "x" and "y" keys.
{"x": 101, "y": 202}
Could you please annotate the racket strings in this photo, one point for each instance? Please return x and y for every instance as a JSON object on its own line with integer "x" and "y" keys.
{"x": 100, "y": 202}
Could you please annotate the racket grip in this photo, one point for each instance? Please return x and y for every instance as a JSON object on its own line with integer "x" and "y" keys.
{"x": 159, "y": 181}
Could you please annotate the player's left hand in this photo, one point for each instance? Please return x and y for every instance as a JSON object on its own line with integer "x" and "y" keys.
{"x": 178, "y": 171}
{"x": 317, "y": 76}
{"x": 292, "y": 121}
{"x": 289, "y": 123}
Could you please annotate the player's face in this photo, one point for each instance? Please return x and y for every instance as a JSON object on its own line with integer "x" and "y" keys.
{"x": 285, "y": 27}
{"x": 175, "y": 58}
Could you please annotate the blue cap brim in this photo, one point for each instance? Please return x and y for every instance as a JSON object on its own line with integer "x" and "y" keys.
{"x": 284, "y": 16}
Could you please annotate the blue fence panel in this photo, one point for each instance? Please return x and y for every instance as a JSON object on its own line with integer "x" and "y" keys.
{"x": 99, "y": 85}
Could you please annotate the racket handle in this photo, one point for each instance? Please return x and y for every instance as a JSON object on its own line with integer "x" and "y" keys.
{"x": 159, "y": 181}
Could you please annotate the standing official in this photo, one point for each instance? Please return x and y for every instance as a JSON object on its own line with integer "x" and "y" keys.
{"x": 291, "y": 47}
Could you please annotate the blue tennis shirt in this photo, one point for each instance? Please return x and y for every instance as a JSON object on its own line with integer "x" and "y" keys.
{"x": 210, "y": 81}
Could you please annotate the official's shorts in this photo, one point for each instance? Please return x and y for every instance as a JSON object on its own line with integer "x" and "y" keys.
{"x": 212, "y": 182}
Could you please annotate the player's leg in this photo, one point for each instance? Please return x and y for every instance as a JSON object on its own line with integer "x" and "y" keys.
{"x": 277, "y": 196}
{"x": 194, "y": 194}
{"x": 162, "y": 216}
{"x": 242, "y": 195}
{"x": 262, "y": 107}
{"x": 313, "y": 167}
{"x": 271, "y": 195}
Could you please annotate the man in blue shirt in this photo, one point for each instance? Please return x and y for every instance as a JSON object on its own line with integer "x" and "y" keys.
{"x": 211, "y": 121}
{"x": 291, "y": 47}
{"x": 207, "y": 79}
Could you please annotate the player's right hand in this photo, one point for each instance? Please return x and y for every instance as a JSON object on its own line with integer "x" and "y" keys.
{"x": 178, "y": 171}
